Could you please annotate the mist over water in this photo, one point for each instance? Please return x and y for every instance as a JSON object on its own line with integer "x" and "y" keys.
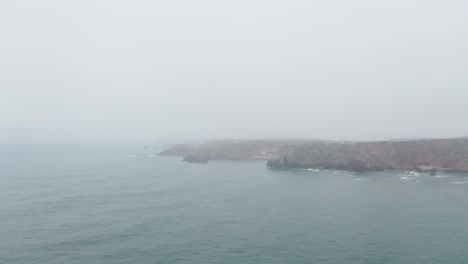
{"x": 108, "y": 205}
{"x": 126, "y": 71}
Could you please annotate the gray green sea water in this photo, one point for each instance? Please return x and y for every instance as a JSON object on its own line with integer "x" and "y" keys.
{"x": 90, "y": 204}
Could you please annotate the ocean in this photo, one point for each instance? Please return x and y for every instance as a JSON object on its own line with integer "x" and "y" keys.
{"x": 106, "y": 204}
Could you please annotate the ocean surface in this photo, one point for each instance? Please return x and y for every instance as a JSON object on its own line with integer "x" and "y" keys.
{"x": 106, "y": 204}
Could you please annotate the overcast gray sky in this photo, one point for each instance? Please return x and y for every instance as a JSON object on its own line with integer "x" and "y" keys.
{"x": 145, "y": 70}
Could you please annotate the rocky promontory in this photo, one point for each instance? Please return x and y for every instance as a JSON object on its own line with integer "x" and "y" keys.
{"x": 229, "y": 149}
{"x": 432, "y": 155}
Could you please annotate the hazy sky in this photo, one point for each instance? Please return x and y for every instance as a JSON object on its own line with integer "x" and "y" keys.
{"x": 145, "y": 70}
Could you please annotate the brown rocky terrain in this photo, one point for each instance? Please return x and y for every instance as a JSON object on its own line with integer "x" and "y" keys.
{"x": 449, "y": 155}
{"x": 422, "y": 155}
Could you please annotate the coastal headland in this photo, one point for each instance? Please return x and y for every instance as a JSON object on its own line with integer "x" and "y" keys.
{"x": 427, "y": 155}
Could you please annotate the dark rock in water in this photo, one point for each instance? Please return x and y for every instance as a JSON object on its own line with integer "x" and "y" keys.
{"x": 433, "y": 172}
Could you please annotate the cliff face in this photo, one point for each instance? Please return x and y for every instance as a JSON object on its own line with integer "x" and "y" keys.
{"x": 423, "y": 155}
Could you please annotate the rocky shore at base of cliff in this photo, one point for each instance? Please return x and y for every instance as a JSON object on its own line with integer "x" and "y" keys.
{"x": 449, "y": 155}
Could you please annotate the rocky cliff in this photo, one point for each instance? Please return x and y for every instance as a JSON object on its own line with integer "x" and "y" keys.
{"x": 423, "y": 155}
{"x": 449, "y": 155}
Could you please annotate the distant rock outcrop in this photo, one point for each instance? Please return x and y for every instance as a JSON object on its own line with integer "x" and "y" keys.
{"x": 178, "y": 150}
{"x": 229, "y": 149}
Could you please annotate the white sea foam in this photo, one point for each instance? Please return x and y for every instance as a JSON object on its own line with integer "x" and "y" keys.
{"x": 460, "y": 182}
{"x": 411, "y": 174}
{"x": 361, "y": 179}
{"x": 342, "y": 172}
